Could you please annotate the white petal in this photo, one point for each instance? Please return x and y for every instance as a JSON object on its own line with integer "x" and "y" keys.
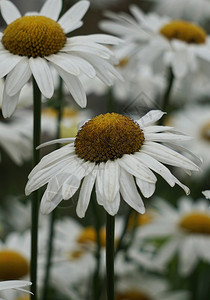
{"x": 51, "y": 9}
{"x": 85, "y": 193}
{"x": 133, "y": 166}
{"x": 8, "y": 62}
{"x": 166, "y": 253}
{"x": 129, "y": 192}
{"x": 151, "y": 117}
{"x": 9, "y": 11}
{"x": 18, "y": 77}
{"x": 146, "y": 188}
{"x": 111, "y": 207}
{"x": 75, "y": 87}
{"x": 57, "y": 141}
{"x": 188, "y": 256}
{"x": 74, "y": 15}
{"x": 13, "y": 284}
{"x": 42, "y": 75}
{"x": 9, "y": 104}
{"x": 206, "y": 194}
{"x": 63, "y": 61}
{"x": 110, "y": 180}
{"x": 49, "y": 202}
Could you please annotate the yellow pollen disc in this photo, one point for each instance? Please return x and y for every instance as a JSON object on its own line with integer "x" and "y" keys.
{"x": 184, "y": 31}
{"x": 77, "y": 254}
{"x": 25, "y": 297}
{"x": 205, "y": 132}
{"x": 140, "y": 220}
{"x": 12, "y": 265}
{"x": 123, "y": 62}
{"x": 88, "y": 235}
{"x": 196, "y": 222}
{"x": 131, "y": 295}
{"x": 108, "y": 137}
{"x": 33, "y": 36}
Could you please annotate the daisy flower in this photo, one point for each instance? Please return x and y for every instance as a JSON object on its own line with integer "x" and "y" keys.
{"x": 32, "y": 44}
{"x": 115, "y": 153}
{"x": 187, "y": 229}
{"x": 194, "y": 120}
{"x": 185, "y": 9}
{"x": 16, "y": 137}
{"x": 181, "y": 45}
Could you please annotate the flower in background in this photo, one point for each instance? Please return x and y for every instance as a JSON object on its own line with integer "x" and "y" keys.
{"x": 16, "y": 136}
{"x": 115, "y": 153}
{"x": 184, "y": 9}
{"x": 194, "y": 120}
{"x": 187, "y": 233}
{"x": 138, "y": 285}
{"x": 182, "y": 45}
{"x": 33, "y": 43}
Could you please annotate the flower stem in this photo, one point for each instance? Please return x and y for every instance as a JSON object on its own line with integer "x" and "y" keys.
{"x": 111, "y": 107}
{"x": 110, "y": 225}
{"x": 167, "y": 94}
{"x": 53, "y": 214}
{"x": 35, "y": 195}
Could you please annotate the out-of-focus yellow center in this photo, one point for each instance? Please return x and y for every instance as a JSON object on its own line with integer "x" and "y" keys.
{"x": 33, "y": 36}
{"x": 108, "y": 137}
{"x": 184, "y": 31}
{"x": 205, "y": 132}
{"x": 123, "y": 62}
{"x": 196, "y": 222}
{"x": 25, "y": 297}
{"x": 88, "y": 235}
{"x": 12, "y": 265}
{"x": 131, "y": 295}
{"x": 139, "y": 220}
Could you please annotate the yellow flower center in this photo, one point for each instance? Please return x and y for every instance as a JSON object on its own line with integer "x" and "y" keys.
{"x": 123, "y": 62}
{"x": 131, "y": 295}
{"x": 205, "y": 132}
{"x": 88, "y": 235}
{"x": 33, "y": 36}
{"x": 184, "y": 31}
{"x": 25, "y": 297}
{"x": 139, "y": 220}
{"x": 108, "y": 137}
{"x": 196, "y": 222}
{"x": 12, "y": 265}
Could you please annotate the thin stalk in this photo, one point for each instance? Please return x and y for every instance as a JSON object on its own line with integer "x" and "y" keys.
{"x": 96, "y": 276}
{"x": 35, "y": 194}
{"x": 53, "y": 214}
{"x": 110, "y": 225}
{"x": 167, "y": 94}
{"x": 111, "y": 107}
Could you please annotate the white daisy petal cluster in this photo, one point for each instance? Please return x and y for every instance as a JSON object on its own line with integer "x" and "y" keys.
{"x": 14, "y": 284}
{"x": 33, "y": 44}
{"x": 187, "y": 233}
{"x": 185, "y": 9}
{"x": 181, "y": 45}
{"x": 115, "y": 154}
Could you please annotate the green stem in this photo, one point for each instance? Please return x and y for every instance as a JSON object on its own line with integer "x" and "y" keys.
{"x": 96, "y": 277}
{"x": 110, "y": 101}
{"x": 167, "y": 94}
{"x": 35, "y": 194}
{"x": 53, "y": 214}
{"x": 110, "y": 225}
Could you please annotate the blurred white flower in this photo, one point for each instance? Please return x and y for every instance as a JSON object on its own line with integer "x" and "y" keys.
{"x": 193, "y": 10}
{"x": 194, "y": 120}
{"x": 14, "y": 284}
{"x": 151, "y": 38}
{"x": 32, "y": 43}
{"x": 115, "y": 153}
{"x": 187, "y": 233}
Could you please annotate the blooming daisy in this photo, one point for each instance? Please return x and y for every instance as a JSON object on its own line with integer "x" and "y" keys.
{"x": 194, "y": 120}
{"x": 187, "y": 229}
{"x": 185, "y": 9}
{"x": 32, "y": 44}
{"x": 115, "y": 153}
{"x": 182, "y": 45}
